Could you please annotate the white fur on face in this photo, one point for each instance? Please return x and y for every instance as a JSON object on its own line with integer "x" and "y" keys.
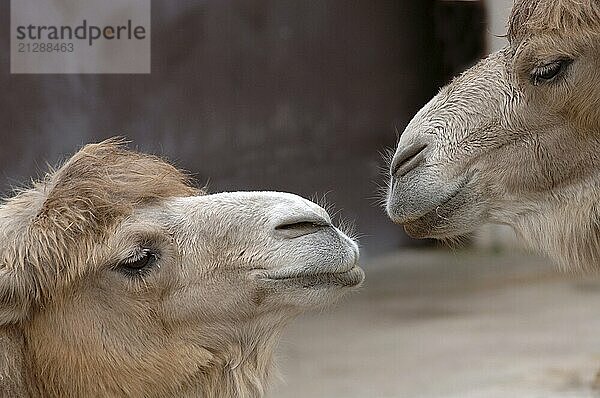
{"x": 233, "y": 255}
{"x": 237, "y": 234}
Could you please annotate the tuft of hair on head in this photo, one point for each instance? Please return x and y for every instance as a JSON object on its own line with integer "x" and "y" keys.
{"x": 51, "y": 228}
{"x": 104, "y": 182}
{"x": 529, "y": 17}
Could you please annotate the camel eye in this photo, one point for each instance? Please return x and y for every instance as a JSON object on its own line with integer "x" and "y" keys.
{"x": 139, "y": 263}
{"x": 548, "y": 72}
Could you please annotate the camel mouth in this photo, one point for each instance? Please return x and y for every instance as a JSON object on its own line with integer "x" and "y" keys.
{"x": 347, "y": 278}
{"x": 432, "y": 209}
{"x": 451, "y": 217}
{"x": 429, "y": 206}
{"x": 429, "y": 224}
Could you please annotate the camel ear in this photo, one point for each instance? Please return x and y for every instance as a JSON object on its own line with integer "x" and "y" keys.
{"x": 15, "y": 297}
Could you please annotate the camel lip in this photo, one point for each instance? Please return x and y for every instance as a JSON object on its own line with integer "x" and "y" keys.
{"x": 432, "y": 212}
{"x": 423, "y": 226}
{"x": 428, "y": 213}
{"x": 348, "y": 278}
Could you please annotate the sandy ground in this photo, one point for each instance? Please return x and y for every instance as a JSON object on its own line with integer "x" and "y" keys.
{"x": 441, "y": 324}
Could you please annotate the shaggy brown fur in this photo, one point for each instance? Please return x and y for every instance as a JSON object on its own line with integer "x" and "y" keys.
{"x": 53, "y": 229}
{"x": 558, "y": 17}
{"x": 77, "y": 205}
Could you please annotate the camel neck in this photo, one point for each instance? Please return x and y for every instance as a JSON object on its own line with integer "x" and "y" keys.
{"x": 243, "y": 372}
{"x": 12, "y": 363}
{"x": 565, "y": 226}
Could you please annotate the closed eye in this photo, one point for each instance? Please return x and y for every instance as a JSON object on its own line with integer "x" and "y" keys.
{"x": 549, "y": 72}
{"x": 139, "y": 263}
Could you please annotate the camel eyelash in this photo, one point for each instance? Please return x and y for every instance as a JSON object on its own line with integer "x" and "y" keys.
{"x": 550, "y": 71}
{"x": 139, "y": 264}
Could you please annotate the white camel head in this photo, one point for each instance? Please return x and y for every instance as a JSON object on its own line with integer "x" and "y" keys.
{"x": 119, "y": 279}
{"x": 513, "y": 140}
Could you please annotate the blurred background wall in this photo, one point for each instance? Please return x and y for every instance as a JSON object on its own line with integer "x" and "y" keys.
{"x": 299, "y": 96}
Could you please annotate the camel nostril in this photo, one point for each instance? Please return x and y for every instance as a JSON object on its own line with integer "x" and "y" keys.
{"x": 297, "y": 228}
{"x": 407, "y": 159}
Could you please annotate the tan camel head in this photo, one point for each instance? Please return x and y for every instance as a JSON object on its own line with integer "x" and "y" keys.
{"x": 514, "y": 140}
{"x": 122, "y": 280}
